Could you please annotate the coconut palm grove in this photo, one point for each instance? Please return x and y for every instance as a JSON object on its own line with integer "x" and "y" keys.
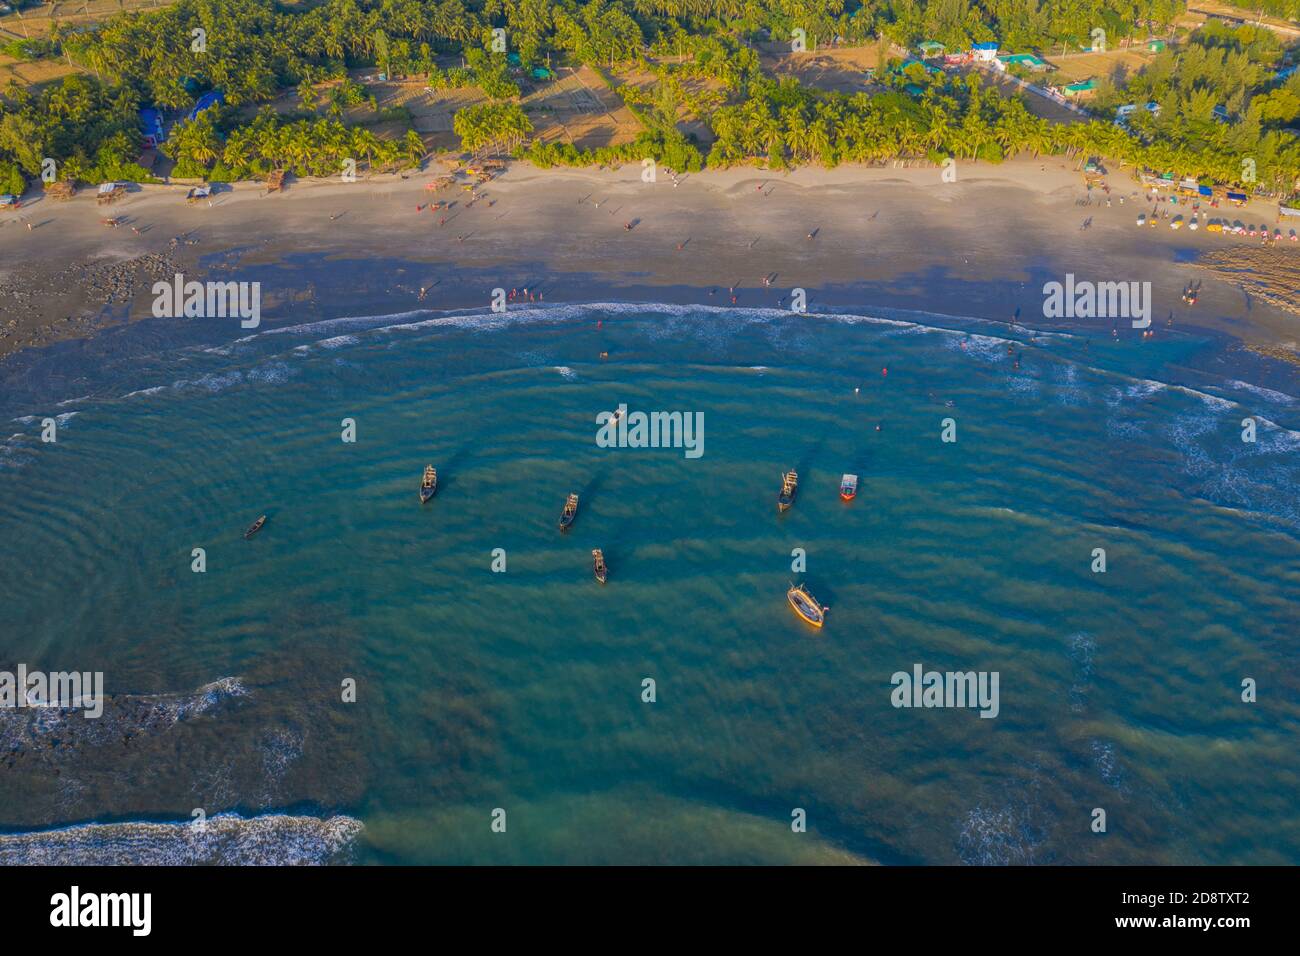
{"x": 1223, "y": 96}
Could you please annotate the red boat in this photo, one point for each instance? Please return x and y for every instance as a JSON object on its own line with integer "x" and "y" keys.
{"x": 849, "y": 487}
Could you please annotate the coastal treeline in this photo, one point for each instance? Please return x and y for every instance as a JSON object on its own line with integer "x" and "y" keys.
{"x": 1223, "y": 100}
{"x": 1219, "y": 115}
{"x": 305, "y": 147}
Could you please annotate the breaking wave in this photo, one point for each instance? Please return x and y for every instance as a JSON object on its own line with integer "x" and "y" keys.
{"x": 24, "y": 729}
{"x": 1004, "y": 836}
{"x": 227, "y": 839}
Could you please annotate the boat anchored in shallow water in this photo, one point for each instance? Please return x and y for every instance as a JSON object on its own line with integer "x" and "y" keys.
{"x": 429, "y": 483}
{"x": 598, "y": 564}
{"x": 849, "y": 487}
{"x": 805, "y": 605}
{"x": 255, "y": 527}
{"x": 789, "y": 485}
{"x": 570, "y": 512}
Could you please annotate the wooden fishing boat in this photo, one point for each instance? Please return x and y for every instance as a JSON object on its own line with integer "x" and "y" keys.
{"x": 805, "y": 605}
{"x": 598, "y": 564}
{"x": 789, "y": 485}
{"x": 570, "y": 512}
{"x": 64, "y": 189}
{"x": 849, "y": 487}
{"x": 428, "y": 484}
{"x": 110, "y": 192}
{"x": 255, "y": 527}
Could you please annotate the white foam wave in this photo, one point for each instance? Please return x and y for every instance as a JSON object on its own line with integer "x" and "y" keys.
{"x": 225, "y": 839}
{"x": 133, "y": 713}
{"x": 1069, "y": 391}
{"x": 146, "y": 391}
{"x": 1002, "y": 836}
{"x": 528, "y": 313}
{"x": 15, "y": 451}
{"x": 62, "y": 418}
{"x": 1268, "y": 394}
{"x": 1143, "y": 388}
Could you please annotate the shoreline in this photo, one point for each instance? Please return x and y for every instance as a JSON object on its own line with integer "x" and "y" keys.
{"x": 157, "y": 354}
{"x": 889, "y": 237}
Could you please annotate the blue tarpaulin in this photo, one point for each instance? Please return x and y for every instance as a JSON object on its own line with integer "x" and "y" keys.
{"x": 151, "y": 123}
{"x": 206, "y": 101}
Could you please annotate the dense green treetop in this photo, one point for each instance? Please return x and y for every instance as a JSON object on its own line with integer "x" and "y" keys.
{"x": 253, "y": 50}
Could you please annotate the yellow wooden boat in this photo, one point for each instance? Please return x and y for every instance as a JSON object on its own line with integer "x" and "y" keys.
{"x": 598, "y": 564}
{"x": 805, "y": 605}
{"x": 789, "y": 486}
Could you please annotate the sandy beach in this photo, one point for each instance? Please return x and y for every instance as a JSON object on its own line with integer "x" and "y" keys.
{"x": 982, "y": 245}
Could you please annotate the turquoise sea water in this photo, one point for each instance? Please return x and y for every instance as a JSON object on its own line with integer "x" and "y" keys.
{"x": 522, "y": 690}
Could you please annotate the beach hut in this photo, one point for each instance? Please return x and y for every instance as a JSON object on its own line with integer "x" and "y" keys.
{"x": 1155, "y": 46}
{"x": 984, "y": 52}
{"x": 928, "y": 49}
{"x": 1081, "y": 89}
